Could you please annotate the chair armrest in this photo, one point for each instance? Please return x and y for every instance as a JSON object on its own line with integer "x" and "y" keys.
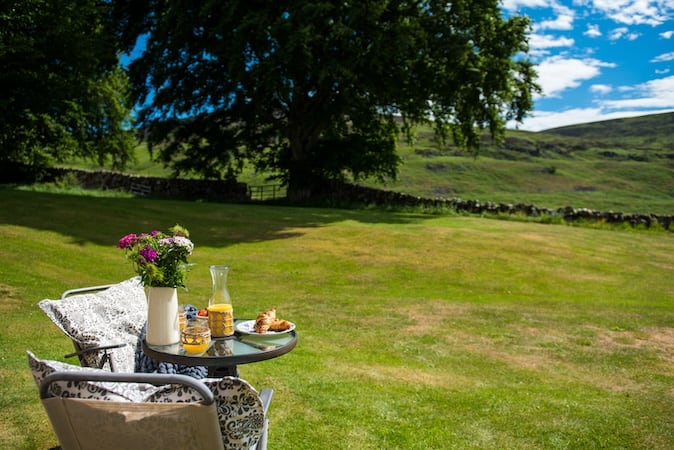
{"x": 94, "y": 349}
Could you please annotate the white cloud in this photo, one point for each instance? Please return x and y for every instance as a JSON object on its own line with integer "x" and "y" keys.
{"x": 622, "y": 32}
{"x": 664, "y": 57}
{"x": 601, "y": 89}
{"x": 558, "y": 73}
{"x": 667, "y": 34}
{"x": 658, "y": 93}
{"x": 514, "y": 5}
{"x": 563, "y": 21}
{"x": 617, "y": 33}
{"x": 544, "y": 120}
{"x": 636, "y": 12}
{"x": 592, "y": 31}
{"x": 542, "y": 41}
{"x": 661, "y": 71}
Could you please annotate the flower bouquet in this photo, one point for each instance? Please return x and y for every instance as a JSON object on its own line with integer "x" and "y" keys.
{"x": 161, "y": 261}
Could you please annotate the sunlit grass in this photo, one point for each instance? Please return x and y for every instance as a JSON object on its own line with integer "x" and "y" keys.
{"x": 416, "y": 331}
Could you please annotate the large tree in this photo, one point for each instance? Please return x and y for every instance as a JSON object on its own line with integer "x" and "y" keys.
{"x": 316, "y": 89}
{"x": 63, "y": 93}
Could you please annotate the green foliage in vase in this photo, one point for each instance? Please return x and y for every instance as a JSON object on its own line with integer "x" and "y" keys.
{"x": 160, "y": 259}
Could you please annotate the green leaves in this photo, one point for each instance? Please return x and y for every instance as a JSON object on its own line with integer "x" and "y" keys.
{"x": 63, "y": 93}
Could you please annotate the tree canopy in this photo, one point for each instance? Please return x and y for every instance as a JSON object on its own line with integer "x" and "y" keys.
{"x": 316, "y": 89}
{"x": 63, "y": 93}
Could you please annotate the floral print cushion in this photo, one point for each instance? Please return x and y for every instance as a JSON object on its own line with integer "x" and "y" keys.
{"x": 239, "y": 408}
{"x": 115, "y": 315}
{"x": 99, "y": 390}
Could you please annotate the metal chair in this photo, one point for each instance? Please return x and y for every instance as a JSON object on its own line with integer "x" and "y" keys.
{"x": 184, "y": 413}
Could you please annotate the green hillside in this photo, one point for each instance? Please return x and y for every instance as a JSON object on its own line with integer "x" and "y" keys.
{"x": 653, "y": 131}
{"x": 620, "y": 165}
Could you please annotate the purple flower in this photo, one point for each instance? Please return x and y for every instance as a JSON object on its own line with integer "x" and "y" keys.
{"x": 148, "y": 253}
{"x": 127, "y": 241}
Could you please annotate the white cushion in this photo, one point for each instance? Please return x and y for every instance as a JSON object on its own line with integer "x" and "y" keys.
{"x": 112, "y": 316}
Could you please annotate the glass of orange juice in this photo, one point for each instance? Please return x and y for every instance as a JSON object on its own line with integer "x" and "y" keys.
{"x": 221, "y": 319}
{"x": 195, "y": 338}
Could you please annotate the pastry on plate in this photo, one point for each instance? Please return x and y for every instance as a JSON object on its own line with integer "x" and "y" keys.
{"x": 280, "y": 325}
{"x": 264, "y": 321}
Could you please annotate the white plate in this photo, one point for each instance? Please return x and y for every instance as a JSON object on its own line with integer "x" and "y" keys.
{"x": 248, "y": 327}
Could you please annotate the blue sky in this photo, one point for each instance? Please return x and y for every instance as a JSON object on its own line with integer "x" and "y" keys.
{"x": 599, "y": 59}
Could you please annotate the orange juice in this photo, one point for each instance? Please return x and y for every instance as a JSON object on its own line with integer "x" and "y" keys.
{"x": 195, "y": 338}
{"x": 221, "y": 319}
{"x": 195, "y": 348}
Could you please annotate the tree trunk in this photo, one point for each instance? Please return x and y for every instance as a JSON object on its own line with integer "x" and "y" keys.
{"x": 304, "y": 131}
{"x": 303, "y": 183}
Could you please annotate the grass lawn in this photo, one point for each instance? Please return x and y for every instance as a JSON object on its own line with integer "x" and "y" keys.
{"x": 416, "y": 331}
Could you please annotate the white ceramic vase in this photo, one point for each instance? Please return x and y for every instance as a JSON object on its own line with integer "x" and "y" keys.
{"x": 162, "y": 316}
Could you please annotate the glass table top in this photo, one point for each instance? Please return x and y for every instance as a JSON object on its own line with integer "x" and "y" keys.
{"x": 229, "y": 351}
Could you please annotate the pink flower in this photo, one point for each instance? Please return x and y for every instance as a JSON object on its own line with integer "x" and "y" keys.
{"x": 127, "y": 241}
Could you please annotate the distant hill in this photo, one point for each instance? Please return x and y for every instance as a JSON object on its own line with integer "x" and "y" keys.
{"x": 641, "y": 138}
{"x": 617, "y": 165}
{"x": 650, "y": 126}
{"x": 653, "y": 134}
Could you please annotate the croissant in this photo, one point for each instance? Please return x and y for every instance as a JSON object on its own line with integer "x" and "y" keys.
{"x": 264, "y": 321}
{"x": 279, "y": 325}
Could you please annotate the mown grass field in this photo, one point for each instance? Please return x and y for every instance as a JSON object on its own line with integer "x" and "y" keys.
{"x": 416, "y": 331}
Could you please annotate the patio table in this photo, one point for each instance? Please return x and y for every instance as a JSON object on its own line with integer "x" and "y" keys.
{"x": 224, "y": 355}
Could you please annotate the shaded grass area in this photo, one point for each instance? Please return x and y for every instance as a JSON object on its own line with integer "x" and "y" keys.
{"x": 416, "y": 331}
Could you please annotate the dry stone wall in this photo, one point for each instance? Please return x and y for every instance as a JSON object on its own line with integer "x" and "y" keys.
{"x": 336, "y": 192}
{"x": 345, "y": 192}
{"x": 176, "y": 188}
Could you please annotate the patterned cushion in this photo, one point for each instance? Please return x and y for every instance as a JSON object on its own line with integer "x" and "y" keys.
{"x": 112, "y": 316}
{"x": 239, "y": 408}
{"x": 121, "y": 392}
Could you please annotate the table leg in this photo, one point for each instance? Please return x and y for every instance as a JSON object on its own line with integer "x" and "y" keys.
{"x": 219, "y": 372}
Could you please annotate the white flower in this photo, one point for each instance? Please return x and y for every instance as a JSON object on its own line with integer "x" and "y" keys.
{"x": 184, "y": 242}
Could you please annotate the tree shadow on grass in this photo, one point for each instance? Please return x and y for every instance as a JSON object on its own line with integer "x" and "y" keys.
{"x": 103, "y": 220}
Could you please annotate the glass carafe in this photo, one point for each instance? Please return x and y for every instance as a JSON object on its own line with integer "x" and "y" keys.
{"x": 220, "y": 311}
